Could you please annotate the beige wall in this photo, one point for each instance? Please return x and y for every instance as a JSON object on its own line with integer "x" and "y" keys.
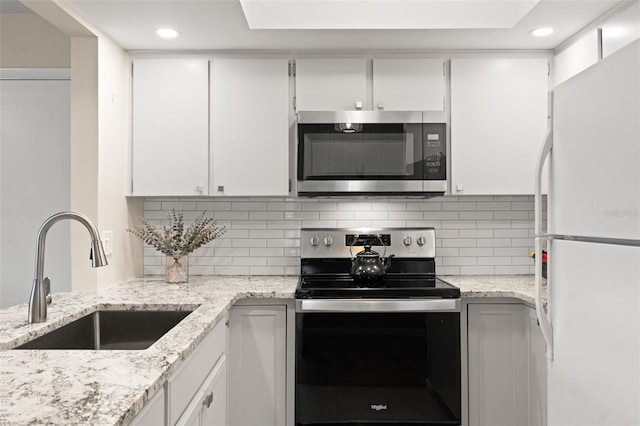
{"x": 113, "y": 166}
{"x": 28, "y": 41}
{"x": 99, "y": 146}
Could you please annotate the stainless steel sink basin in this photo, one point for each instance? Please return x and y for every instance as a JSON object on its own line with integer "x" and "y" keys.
{"x": 108, "y": 330}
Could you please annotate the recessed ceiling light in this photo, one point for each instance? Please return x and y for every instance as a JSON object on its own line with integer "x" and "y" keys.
{"x": 167, "y": 33}
{"x": 542, "y": 32}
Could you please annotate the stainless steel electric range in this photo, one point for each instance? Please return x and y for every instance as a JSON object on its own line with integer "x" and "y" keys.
{"x": 377, "y": 332}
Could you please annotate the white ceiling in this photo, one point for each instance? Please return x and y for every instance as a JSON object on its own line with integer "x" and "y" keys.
{"x": 221, "y": 25}
{"x": 383, "y": 14}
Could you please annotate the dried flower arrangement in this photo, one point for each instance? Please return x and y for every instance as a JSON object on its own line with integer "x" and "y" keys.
{"x": 172, "y": 239}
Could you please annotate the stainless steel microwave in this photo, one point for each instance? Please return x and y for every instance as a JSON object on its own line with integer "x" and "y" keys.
{"x": 385, "y": 153}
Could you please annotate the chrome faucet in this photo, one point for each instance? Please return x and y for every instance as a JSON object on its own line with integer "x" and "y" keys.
{"x": 41, "y": 290}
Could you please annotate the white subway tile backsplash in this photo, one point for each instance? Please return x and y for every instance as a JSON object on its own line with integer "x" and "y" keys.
{"x": 511, "y": 233}
{"x": 323, "y": 206}
{"x": 477, "y": 270}
{"x": 371, "y": 215}
{"x": 253, "y": 242}
{"x": 476, "y": 215}
{"x": 459, "y": 224}
{"x": 354, "y": 224}
{"x": 406, "y": 215}
{"x": 266, "y": 215}
{"x": 250, "y": 261}
{"x": 355, "y": 206}
{"x": 516, "y": 214}
{"x": 476, "y": 251}
{"x": 428, "y": 206}
{"x": 179, "y": 205}
{"x": 267, "y": 233}
{"x": 459, "y": 261}
{"x": 231, "y": 252}
{"x": 336, "y": 215}
{"x": 302, "y": 215}
{"x": 459, "y": 242}
{"x": 230, "y": 215}
{"x": 389, "y": 207}
{"x": 249, "y": 206}
{"x": 266, "y": 252}
{"x": 388, "y": 223}
{"x": 441, "y": 215}
{"x": 213, "y": 206}
{"x": 494, "y": 205}
{"x": 494, "y": 242}
{"x": 475, "y": 234}
{"x": 284, "y": 207}
{"x": 494, "y": 260}
{"x": 266, "y": 270}
{"x": 152, "y": 205}
{"x": 231, "y": 270}
{"x": 459, "y": 206}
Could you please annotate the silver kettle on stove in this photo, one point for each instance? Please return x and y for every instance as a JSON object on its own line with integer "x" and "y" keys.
{"x": 368, "y": 265}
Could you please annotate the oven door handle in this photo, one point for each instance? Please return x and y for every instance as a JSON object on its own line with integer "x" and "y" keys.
{"x": 378, "y": 305}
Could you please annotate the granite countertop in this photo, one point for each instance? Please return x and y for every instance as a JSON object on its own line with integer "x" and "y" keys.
{"x": 111, "y": 387}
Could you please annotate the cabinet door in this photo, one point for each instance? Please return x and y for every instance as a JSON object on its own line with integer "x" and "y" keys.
{"x": 497, "y": 350}
{"x": 170, "y": 127}
{"x": 153, "y": 412}
{"x": 408, "y": 84}
{"x": 330, "y": 84}
{"x": 498, "y": 122}
{"x": 193, "y": 413}
{"x": 537, "y": 373}
{"x": 250, "y": 127}
{"x": 214, "y": 403}
{"x": 257, "y": 360}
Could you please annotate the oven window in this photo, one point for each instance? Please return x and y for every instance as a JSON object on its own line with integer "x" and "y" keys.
{"x": 390, "y": 368}
{"x": 376, "y": 151}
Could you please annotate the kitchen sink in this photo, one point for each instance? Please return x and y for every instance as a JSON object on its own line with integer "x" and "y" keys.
{"x": 109, "y": 330}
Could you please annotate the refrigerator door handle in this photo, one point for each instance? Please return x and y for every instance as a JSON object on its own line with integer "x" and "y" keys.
{"x": 543, "y": 315}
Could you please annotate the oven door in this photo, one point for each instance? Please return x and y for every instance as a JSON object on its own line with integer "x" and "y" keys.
{"x": 394, "y": 362}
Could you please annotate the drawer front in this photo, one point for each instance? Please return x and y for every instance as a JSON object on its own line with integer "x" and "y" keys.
{"x": 187, "y": 380}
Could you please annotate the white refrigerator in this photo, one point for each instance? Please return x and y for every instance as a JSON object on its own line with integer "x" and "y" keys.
{"x": 592, "y": 321}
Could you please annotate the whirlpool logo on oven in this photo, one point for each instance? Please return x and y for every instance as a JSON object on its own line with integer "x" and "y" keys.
{"x": 378, "y": 407}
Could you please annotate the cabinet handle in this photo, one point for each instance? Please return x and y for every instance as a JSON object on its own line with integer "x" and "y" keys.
{"x": 220, "y": 188}
{"x": 358, "y": 104}
{"x": 208, "y": 400}
{"x": 380, "y": 105}
{"x": 200, "y": 189}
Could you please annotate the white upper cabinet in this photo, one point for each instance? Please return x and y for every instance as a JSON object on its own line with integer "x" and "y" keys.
{"x": 331, "y": 84}
{"x": 408, "y": 84}
{"x": 170, "y": 127}
{"x": 498, "y": 123}
{"x": 250, "y": 127}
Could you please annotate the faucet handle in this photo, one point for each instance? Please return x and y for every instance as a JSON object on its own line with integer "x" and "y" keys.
{"x": 47, "y": 290}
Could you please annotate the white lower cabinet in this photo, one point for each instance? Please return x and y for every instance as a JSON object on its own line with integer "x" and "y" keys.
{"x": 153, "y": 412}
{"x": 506, "y": 366}
{"x": 209, "y": 406}
{"x": 197, "y": 392}
{"x": 257, "y": 365}
{"x": 537, "y": 373}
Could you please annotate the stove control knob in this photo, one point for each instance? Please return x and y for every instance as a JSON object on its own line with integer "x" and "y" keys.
{"x": 421, "y": 240}
{"x": 407, "y": 241}
{"x": 314, "y": 241}
{"x": 328, "y": 240}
